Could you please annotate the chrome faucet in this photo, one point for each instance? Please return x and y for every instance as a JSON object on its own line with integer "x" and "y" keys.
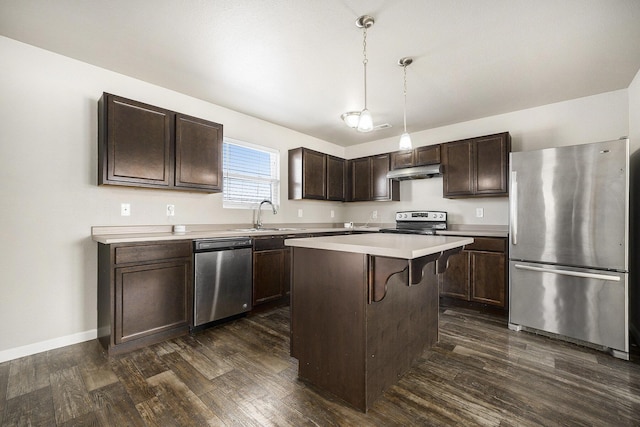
{"x": 259, "y": 219}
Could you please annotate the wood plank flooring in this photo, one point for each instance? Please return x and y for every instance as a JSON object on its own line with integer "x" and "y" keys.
{"x": 240, "y": 374}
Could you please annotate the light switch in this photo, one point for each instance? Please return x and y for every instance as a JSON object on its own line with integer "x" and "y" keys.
{"x": 125, "y": 209}
{"x": 299, "y": 213}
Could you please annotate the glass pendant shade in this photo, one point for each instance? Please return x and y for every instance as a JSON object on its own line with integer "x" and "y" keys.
{"x": 351, "y": 118}
{"x": 365, "y": 124}
{"x": 405, "y": 141}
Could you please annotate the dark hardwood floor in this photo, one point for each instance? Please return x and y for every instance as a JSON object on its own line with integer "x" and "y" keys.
{"x": 240, "y": 374}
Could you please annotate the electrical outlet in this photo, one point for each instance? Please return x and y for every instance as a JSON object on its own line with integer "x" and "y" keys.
{"x": 479, "y": 212}
{"x": 299, "y": 213}
{"x": 171, "y": 210}
{"x": 333, "y": 214}
{"x": 125, "y": 209}
{"x": 374, "y": 214}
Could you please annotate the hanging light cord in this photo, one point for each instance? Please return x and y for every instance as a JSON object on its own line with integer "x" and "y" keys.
{"x": 364, "y": 63}
{"x": 405, "y": 97}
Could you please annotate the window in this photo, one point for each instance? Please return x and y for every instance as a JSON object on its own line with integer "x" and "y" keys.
{"x": 251, "y": 174}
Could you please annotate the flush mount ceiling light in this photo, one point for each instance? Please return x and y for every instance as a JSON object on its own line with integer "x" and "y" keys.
{"x": 405, "y": 138}
{"x": 362, "y": 119}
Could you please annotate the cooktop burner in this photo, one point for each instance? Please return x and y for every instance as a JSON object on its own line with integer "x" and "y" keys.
{"x": 418, "y": 222}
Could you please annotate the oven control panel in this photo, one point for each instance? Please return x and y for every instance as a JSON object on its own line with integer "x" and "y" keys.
{"x": 422, "y": 216}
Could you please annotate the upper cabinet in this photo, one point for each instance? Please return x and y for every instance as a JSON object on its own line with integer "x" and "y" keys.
{"x": 476, "y": 167}
{"x": 146, "y": 146}
{"x": 368, "y": 179}
{"x": 336, "y": 178}
{"x": 421, "y": 156}
{"x": 315, "y": 175}
{"x": 198, "y": 154}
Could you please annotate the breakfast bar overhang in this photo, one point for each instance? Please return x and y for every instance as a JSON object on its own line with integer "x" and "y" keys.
{"x": 364, "y": 307}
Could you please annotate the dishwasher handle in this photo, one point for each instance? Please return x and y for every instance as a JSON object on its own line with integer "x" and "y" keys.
{"x": 211, "y": 245}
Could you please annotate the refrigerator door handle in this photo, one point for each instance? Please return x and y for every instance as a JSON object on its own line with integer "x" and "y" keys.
{"x": 514, "y": 207}
{"x": 569, "y": 273}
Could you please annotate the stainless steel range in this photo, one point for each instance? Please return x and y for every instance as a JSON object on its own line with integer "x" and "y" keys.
{"x": 418, "y": 222}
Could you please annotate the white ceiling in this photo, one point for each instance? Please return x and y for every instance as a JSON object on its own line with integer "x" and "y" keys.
{"x": 298, "y": 63}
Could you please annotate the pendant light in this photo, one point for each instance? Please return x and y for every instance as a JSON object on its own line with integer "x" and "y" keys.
{"x": 365, "y": 124}
{"x": 361, "y": 120}
{"x": 405, "y": 138}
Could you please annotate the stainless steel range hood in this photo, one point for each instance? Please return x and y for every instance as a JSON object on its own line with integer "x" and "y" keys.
{"x": 418, "y": 172}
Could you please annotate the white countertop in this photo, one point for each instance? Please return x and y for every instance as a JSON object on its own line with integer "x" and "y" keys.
{"x": 405, "y": 246}
{"x": 165, "y": 234}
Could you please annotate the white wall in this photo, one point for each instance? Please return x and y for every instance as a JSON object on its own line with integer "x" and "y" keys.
{"x": 595, "y": 118}
{"x": 50, "y": 200}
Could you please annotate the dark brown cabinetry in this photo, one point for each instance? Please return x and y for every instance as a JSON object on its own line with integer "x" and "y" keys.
{"x": 315, "y": 175}
{"x": 421, "y": 156}
{"x": 359, "y": 179}
{"x": 146, "y": 146}
{"x": 271, "y": 269}
{"x": 198, "y": 154}
{"x": 336, "y": 178}
{"x": 477, "y": 166}
{"x": 478, "y": 274}
{"x": 368, "y": 179}
{"x": 144, "y": 293}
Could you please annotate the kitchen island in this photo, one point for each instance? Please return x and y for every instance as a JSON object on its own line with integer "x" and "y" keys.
{"x": 364, "y": 308}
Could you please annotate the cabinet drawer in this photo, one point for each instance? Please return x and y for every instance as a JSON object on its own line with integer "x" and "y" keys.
{"x": 490, "y": 244}
{"x": 268, "y": 243}
{"x": 152, "y": 252}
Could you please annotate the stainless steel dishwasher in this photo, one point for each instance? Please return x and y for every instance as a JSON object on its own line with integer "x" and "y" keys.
{"x": 222, "y": 278}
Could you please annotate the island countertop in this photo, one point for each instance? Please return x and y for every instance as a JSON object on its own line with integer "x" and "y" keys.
{"x": 405, "y": 246}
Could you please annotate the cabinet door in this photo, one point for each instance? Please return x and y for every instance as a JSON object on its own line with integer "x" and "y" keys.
{"x": 459, "y": 168}
{"x": 383, "y": 188}
{"x": 427, "y": 155}
{"x": 314, "y": 178}
{"x": 198, "y": 154}
{"x": 135, "y": 143}
{"x": 268, "y": 275}
{"x": 492, "y": 157}
{"x": 151, "y": 298}
{"x": 488, "y": 278}
{"x": 361, "y": 179}
{"x": 402, "y": 159}
{"x": 454, "y": 282}
{"x": 336, "y": 174}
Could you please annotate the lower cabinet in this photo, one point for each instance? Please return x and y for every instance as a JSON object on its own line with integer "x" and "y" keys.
{"x": 271, "y": 269}
{"x": 478, "y": 273}
{"x": 144, "y": 293}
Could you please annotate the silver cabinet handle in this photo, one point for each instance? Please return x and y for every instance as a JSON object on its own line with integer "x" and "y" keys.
{"x": 514, "y": 207}
{"x": 569, "y": 273}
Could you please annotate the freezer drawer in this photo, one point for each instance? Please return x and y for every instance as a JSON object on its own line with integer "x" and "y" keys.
{"x": 584, "y": 304}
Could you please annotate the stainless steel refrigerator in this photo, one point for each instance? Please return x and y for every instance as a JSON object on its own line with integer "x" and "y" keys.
{"x": 568, "y": 252}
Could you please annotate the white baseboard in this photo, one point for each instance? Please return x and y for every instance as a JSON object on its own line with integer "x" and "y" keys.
{"x": 28, "y": 350}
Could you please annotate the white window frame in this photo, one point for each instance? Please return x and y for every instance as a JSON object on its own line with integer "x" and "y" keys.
{"x": 274, "y": 180}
